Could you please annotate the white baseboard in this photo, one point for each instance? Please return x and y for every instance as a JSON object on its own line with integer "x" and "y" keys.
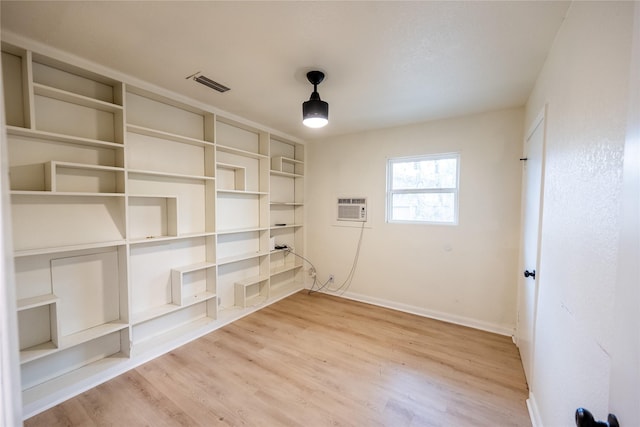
{"x": 420, "y": 311}
{"x": 534, "y": 414}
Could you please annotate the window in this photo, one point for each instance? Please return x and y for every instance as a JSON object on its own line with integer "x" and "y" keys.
{"x": 423, "y": 189}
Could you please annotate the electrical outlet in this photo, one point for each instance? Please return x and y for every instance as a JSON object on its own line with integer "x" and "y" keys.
{"x": 312, "y": 272}
{"x": 331, "y": 278}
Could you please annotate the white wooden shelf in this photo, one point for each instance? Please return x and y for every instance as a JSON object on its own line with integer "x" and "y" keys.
{"x": 152, "y": 239}
{"x": 280, "y": 227}
{"x": 241, "y": 230}
{"x": 67, "y": 248}
{"x": 249, "y": 281}
{"x": 242, "y": 192}
{"x": 191, "y": 330}
{"x": 84, "y": 101}
{"x": 68, "y": 382}
{"x": 241, "y": 257}
{"x": 178, "y": 294}
{"x": 194, "y": 267}
{"x": 278, "y": 163}
{"x": 237, "y": 151}
{"x": 71, "y": 165}
{"x": 152, "y": 216}
{"x": 280, "y": 250}
{"x": 37, "y": 351}
{"x": 168, "y": 136}
{"x": 37, "y": 301}
{"x": 170, "y": 175}
{"x": 241, "y": 287}
{"x": 286, "y": 204}
{"x": 284, "y": 268}
{"x": 152, "y": 313}
{"x": 161, "y": 310}
{"x": 67, "y": 341}
{"x": 239, "y": 176}
{"x": 63, "y": 193}
{"x": 85, "y": 335}
{"x": 55, "y": 137}
{"x": 122, "y": 177}
{"x": 286, "y": 174}
{"x": 197, "y": 298}
{"x": 255, "y": 300}
{"x": 52, "y": 167}
{"x": 285, "y": 288}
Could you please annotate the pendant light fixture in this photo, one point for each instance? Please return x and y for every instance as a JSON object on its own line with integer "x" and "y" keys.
{"x": 315, "y": 112}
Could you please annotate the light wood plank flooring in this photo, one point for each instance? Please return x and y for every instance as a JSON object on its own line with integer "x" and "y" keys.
{"x": 316, "y": 360}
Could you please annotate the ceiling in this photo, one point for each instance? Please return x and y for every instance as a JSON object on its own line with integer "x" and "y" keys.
{"x": 387, "y": 63}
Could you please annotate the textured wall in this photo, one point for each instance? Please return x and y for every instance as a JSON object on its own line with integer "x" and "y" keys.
{"x": 464, "y": 273}
{"x": 585, "y": 83}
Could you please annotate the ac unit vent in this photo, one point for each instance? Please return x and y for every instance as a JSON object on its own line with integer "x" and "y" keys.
{"x": 211, "y": 83}
{"x": 208, "y": 82}
{"x": 352, "y": 209}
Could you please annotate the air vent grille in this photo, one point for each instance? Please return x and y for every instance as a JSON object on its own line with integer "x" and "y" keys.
{"x": 209, "y": 83}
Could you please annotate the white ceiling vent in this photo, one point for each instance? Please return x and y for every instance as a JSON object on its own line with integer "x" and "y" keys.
{"x": 352, "y": 209}
{"x": 208, "y": 82}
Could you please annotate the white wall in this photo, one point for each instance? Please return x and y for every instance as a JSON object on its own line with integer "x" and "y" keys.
{"x": 585, "y": 83}
{"x": 464, "y": 273}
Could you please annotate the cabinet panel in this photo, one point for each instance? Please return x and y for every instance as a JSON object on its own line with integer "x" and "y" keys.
{"x": 237, "y": 211}
{"x": 236, "y": 137}
{"x": 283, "y": 214}
{"x": 152, "y": 217}
{"x": 284, "y": 149}
{"x": 229, "y": 274}
{"x": 146, "y": 112}
{"x": 191, "y": 197}
{"x": 89, "y": 290}
{"x": 56, "y": 221}
{"x": 35, "y": 326}
{"x": 232, "y": 245}
{"x": 70, "y": 359}
{"x": 282, "y": 190}
{"x": 150, "y": 270}
{"x": 284, "y": 237}
{"x": 27, "y": 158}
{"x": 156, "y": 154}
{"x": 74, "y": 83}
{"x": 66, "y": 118}
{"x": 251, "y": 169}
{"x": 193, "y": 283}
{"x": 157, "y": 327}
{"x": 33, "y": 276}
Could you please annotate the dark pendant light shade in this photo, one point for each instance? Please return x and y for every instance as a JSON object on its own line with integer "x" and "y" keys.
{"x": 315, "y": 112}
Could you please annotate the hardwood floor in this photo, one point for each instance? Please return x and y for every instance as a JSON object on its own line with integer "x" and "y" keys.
{"x": 316, "y": 360}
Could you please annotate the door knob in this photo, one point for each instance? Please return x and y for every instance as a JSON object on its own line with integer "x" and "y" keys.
{"x": 584, "y": 418}
{"x": 531, "y": 274}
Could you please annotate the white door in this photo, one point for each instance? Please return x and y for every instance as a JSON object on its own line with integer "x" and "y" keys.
{"x": 624, "y": 394}
{"x": 531, "y": 221}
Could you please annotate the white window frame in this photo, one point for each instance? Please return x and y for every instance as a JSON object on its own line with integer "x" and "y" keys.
{"x": 411, "y": 159}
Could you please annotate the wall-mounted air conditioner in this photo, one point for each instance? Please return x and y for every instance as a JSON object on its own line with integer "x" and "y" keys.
{"x": 352, "y": 209}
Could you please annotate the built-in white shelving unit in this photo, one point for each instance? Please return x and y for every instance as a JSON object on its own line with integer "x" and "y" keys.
{"x": 140, "y": 221}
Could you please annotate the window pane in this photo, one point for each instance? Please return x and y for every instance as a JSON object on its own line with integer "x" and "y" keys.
{"x": 436, "y": 173}
{"x": 430, "y": 207}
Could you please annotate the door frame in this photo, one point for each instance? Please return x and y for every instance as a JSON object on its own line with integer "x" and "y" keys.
{"x": 624, "y": 378}
{"x": 541, "y": 119}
